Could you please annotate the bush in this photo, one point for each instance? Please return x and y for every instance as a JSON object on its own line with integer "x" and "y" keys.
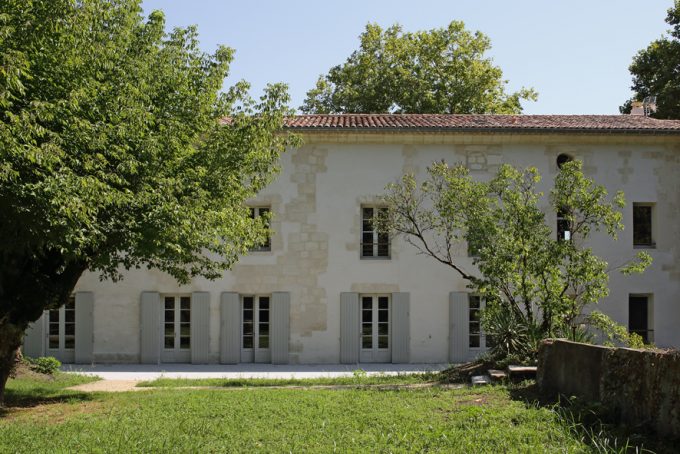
{"x": 47, "y": 365}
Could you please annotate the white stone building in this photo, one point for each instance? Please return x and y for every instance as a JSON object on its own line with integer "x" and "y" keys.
{"x": 318, "y": 295}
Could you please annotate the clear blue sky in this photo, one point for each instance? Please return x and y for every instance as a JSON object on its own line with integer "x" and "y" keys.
{"x": 575, "y": 53}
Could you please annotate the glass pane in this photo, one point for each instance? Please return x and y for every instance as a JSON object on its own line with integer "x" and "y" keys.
{"x": 264, "y": 302}
{"x": 247, "y": 342}
{"x": 383, "y": 249}
{"x": 264, "y": 329}
{"x": 383, "y": 302}
{"x": 252, "y": 213}
{"x": 169, "y": 316}
{"x": 383, "y": 329}
{"x": 247, "y": 302}
{"x": 248, "y": 316}
{"x": 247, "y": 329}
{"x": 54, "y": 316}
{"x": 366, "y": 302}
{"x": 185, "y": 330}
{"x": 366, "y": 342}
{"x": 184, "y": 343}
{"x": 71, "y": 303}
{"x": 54, "y": 341}
{"x": 263, "y": 342}
{"x": 367, "y": 316}
{"x": 169, "y": 342}
{"x": 169, "y": 329}
{"x": 474, "y": 341}
{"x": 69, "y": 316}
{"x": 185, "y": 316}
{"x": 169, "y": 302}
{"x": 474, "y": 327}
{"x": 185, "y": 303}
{"x": 383, "y": 316}
{"x": 642, "y": 225}
{"x": 264, "y": 316}
{"x": 70, "y": 329}
{"x": 368, "y": 213}
{"x": 474, "y": 315}
{"x": 264, "y": 210}
{"x": 70, "y": 342}
{"x": 366, "y": 329}
{"x": 367, "y": 250}
{"x": 54, "y": 329}
{"x": 383, "y": 342}
{"x": 474, "y": 302}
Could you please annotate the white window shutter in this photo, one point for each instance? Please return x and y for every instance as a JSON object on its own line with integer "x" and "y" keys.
{"x": 349, "y": 328}
{"x": 200, "y": 327}
{"x": 34, "y": 340}
{"x": 230, "y": 328}
{"x": 280, "y": 327}
{"x": 401, "y": 337}
{"x": 458, "y": 327}
{"x": 150, "y": 328}
{"x": 84, "y": 351}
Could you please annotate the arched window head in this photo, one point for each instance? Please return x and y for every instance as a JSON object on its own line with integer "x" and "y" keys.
{"x": 562, "y": 159}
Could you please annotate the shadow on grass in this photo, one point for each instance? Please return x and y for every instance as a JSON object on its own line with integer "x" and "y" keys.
{"x": 592, "y": 422}
{"x": 19, "y": 398}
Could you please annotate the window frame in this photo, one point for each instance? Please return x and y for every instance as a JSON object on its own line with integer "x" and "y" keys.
{"x": 177, "y": 322}
{"x": 652, "y": 225}
{"x": 255, "y": 212}
{"x": 375, "y": 243}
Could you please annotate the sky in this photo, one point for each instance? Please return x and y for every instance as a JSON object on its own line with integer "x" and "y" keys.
{"x": 575, "y": 53}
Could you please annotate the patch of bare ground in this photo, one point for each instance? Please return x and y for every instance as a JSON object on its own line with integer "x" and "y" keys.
{"x": 51, "y": 413}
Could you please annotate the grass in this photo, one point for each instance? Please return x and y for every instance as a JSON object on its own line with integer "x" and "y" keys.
{"x": 357, "y": 419}
{"x": 356, "y": 379}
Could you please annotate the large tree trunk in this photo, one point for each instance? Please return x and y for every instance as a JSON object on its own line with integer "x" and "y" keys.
{"x": 11, "y": 337}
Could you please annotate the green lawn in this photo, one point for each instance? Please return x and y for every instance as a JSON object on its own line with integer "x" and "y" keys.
{"x": 280, "y": 420}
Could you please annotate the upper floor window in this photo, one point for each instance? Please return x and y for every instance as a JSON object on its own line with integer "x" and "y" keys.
{"x": 562, "y": 159}
{"x": 373, "y": 242}
{"x": 563, "y": 226}
{"x": 256, "y": 212}
{"x": 643, "y": 234}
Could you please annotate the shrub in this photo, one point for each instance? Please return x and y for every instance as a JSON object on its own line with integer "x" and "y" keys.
{"x": 47, "y": 365}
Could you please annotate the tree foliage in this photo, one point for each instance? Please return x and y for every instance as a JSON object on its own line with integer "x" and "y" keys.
{"x": 442, "y": 70}
{"x": 114, "y": 152}
{"x": 655, "y": 70}
{"x": 536, "y": 285}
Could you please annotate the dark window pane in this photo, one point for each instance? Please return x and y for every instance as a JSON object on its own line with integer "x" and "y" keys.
{"x": 185, "y": 303}
{"x": 70, "y": 342}
{"x": 563, "y": 229}
{"x": 263, "y": 342}
{"x": 264, "y": 316}
{"x": 383, "y": 329}
{"x": 252, "y": 213}
{"x": 169, "y": 316}
{"x": 169, "y": 342}
{"x": 264, "y": 329}
{"x": 248, "y": 302}
{"x": 366, "y": 302}
{"x": 54, "y": 341}
{"x": 185, "y": 316}
{"x": 474, "y": 327}
{"x": 169, "y": 302}
{"x": 475, "y": 302}
{"x": 69, "y": 316}
{"x": 247, "y": 342}
{"x": 185, "y": 330}
{"x": 184, "y": 343}
{"x": 366, "y": 342}
{"x": 247, "y": 329}
{"x": 474, "y": 341}
{"x": 366, "y": 329}
{"x": 54, "y": 329}
{"x": 54, "y": 316}
{"x": 264, "y": 302}
{"x": 368, "y": 213}
{"x": 474, "y": 315}
{"x": 70, "y": 329}
{"x": 383, "y": 342}
{"x": 383, "y": 316}
{"x": 383, "y": 302}
{"x": 367, "y": 316}
{"x": 642, "y": 225}
{"x": 638, "y": 310}
{"x": 169, "y": 329}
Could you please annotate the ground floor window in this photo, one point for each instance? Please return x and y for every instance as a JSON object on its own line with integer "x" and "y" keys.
{"x": 255, "y": 332}
{"x": 640, "y": 317}
{"x": 375, "y": 329}
{"x": 61, "y": 326}
{"x": 176, "y": 328}
{"x": 476, "y": 336}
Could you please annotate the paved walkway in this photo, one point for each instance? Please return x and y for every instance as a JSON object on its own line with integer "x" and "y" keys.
{"x": 139, "y": 372}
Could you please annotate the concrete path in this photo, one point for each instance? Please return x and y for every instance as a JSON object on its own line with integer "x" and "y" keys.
{"x": 139, "y": 372}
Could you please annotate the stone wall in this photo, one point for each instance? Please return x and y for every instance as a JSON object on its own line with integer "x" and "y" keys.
{"x": 640, "y": 386}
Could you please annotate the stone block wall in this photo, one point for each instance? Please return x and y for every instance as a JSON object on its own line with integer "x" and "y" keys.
{"x": 641, "y": 386}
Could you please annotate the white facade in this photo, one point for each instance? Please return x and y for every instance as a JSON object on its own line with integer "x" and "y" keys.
{"x": 315, "y": 253}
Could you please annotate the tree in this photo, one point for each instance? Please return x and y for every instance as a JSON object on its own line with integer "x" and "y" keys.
{"x": 441, "y": 71}
{"x": 115, "y": 154}
{"x": 655, "y": 71}
{"x": 534, "y": 282}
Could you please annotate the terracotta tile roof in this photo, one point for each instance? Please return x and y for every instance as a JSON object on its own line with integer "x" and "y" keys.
{"x": 498, "y": 123}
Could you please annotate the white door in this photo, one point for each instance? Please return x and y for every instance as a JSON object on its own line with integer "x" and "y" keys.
{"x": 375, "y": 329}
{"x": 61, "y": 332}
{"x": 176, "y": 329}
{"x": 255, "y": 329}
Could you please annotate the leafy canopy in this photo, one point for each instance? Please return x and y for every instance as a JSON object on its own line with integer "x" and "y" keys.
{"x": 114, "y": 153}
{"x": 532, "y": 280}
{"x": 443, "y": 70}
{"x": 655, "y": 70}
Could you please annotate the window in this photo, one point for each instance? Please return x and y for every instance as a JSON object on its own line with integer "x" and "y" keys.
{"x": 474, "y": 323}
{"x": 255, "y": 329}
{"x": 256, "y": 212}
{"x": 177, "y": 322}
{"x": 640, "y": 316}
{"x": 61, "y": 324}
{"x": 563, "y": 226}
{"x": 643, "y": 225}
{"x": 375, "y": 328}
{"x": 373, "y": 243}
{"x": 562, "y": 159}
